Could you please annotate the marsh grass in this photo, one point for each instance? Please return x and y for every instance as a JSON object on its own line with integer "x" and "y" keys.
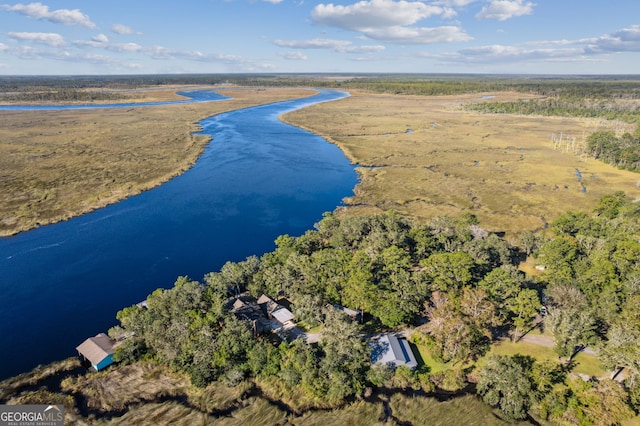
{"x": 502, "y": 168}
{"x": 114, "y": 389}
{"x": 465, "y": 410}
{"x": 296, "y": 398}
{"x": 58, "y": 164}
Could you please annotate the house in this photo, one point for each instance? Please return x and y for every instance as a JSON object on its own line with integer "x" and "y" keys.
{"x": 389, "y": 349}
{"x": 250, "y": 311}
{"x": 273, "y": 310}
{"x": 98, "y": 351}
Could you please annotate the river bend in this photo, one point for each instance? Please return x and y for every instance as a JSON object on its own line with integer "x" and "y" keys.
{"x": 257, "y": 179}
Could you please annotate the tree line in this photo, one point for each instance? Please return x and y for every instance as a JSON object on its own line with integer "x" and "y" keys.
{"x": 622, "y": 152}
{"x": 456, "y": 284}
{"x": 607, "y": 108}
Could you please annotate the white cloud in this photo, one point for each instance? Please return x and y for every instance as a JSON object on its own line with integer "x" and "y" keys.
{"x": 164, "y": 53}
{"x": 391, "y": 21}
{"x": 122, "y": 29}
{"x": 505, "y": 9}
{"x": 273, "y": 1}
{"x": 456, "y": 3}
{"x": 125, "y": 47}
{"x": 500, "y": 53}
{"x": 3, "y": 47}
{"x": 584, "y": 50}
{"x": 293, "y": 56}
{"x": 50, "y": 39}
{"x": 100, "y": 38}
{"x": 341, "y": 46}
{"x": 413, "y": 35}
{"x": 624, "y": 40}
{"x": 373, "y": 14}
{"x": 61, "y": 16}
{"x": 316, "y": 43}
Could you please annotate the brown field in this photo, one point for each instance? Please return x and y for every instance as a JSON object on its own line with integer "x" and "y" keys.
{"x": 58, "y": 164}
{"x": 426, "y": 157}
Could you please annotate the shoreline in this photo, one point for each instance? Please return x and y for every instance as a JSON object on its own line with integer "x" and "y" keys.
{"x": 181, "y": 135}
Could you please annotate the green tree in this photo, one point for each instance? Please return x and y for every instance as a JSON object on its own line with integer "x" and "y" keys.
{"x": 571, "y": 328}
{"x": 530, "y": 242}
{"x": 450, "y": 334}
{"x": 359, "y": 290}
{"x": 622, "y": 348}
{"x": 524, "y": 307}
{"x": 504, "y": 383}
{"x": 346, "y": 358}
{"x": 600, "y": 143}
{"x": 448, "y": 271}
{"x": 502, "y": 285}
{"x": 559, "y": 257}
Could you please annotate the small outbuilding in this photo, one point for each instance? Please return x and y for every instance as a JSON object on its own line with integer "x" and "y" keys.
{"x": 389, "y": 349}
{"x": 354, "y": 315}
{"x": 98, "y": 351}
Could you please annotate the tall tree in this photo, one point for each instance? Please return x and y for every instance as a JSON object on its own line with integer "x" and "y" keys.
{"x": 448, "y": 271}
{"x": 524, "y": 307}
{"x": 346, "y": 357}
{"x": 622, "y": 348}
{"x": 570, "y": 327}
{"x": 504, "y": 383}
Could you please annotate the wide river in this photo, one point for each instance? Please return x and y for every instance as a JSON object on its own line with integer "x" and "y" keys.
{"x": 258, "y": 178}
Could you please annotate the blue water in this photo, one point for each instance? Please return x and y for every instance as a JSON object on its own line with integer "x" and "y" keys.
{"x": 257, "y": 179}
{"x": 192, "y": 97}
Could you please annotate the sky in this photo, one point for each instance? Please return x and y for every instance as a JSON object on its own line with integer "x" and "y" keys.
{"x": 74, "y": 37}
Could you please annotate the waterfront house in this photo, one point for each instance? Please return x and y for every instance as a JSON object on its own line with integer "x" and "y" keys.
{"x": 273, "y": 310}
{"x": 250, "y": 311}
{"x": 390, "y": 349}
{"x": 98, "y": 351}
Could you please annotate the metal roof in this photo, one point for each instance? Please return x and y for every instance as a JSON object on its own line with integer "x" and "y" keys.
{"x": 97, "y": 348}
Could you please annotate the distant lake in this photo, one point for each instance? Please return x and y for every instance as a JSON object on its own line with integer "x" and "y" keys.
{"x": 258, "y": 178}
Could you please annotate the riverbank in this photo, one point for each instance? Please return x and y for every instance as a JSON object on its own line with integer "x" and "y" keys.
{"x": 425, "y": 156}
{"x": 60, "y": 164}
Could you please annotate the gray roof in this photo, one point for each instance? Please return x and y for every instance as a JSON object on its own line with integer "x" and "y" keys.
{"x": 282, "y": 315}
{"x": 97, "y": 348}
{"x": 389, "y": 349}
{"x": 268, "y": 304}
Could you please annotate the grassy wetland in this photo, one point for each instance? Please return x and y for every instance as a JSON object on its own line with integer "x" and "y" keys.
{"x": 426, "y": 156}
{"x": 58, "y": 164}
{"x": 149, "y": 394}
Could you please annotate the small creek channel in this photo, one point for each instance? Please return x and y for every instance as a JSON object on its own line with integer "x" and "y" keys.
{"x": 258, "y": 178}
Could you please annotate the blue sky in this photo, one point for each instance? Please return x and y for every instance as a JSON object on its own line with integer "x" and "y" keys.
{"x": 228, "y": 36}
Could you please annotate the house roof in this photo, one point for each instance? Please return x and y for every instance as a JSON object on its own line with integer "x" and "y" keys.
{"x": 238, "y": 304}
{"x": 268, "y": 304}
{"x": 282, "y": 315}
{"x": 389, "y": 349}
{"x": 97, "y": 348}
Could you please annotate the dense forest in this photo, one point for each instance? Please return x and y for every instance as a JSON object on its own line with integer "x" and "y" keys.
{"x": 455, "y": 285}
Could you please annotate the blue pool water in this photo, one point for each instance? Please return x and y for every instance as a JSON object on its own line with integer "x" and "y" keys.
{"x": 257, "y": 179}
